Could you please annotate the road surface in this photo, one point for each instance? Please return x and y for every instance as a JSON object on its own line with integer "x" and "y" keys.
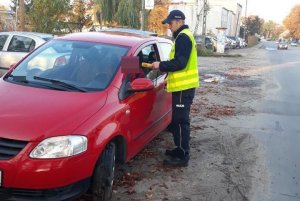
{"x": 276, "y": 123}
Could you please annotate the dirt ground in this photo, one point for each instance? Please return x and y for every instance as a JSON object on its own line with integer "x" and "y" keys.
{"x": 226, "y": 163}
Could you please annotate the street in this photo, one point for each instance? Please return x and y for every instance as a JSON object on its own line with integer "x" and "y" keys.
{"x": 276, "y": 123}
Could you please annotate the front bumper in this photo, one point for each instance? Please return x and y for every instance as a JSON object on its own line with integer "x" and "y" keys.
{"x": 22, "y": 172}
{"x": 56, "y": 194}
{"x": 282, "y": 47}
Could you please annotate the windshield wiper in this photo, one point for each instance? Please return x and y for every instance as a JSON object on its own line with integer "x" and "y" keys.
{"x": 60, "y": 83}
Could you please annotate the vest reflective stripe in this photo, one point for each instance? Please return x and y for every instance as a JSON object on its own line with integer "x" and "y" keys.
{"x": 188, "y": 77}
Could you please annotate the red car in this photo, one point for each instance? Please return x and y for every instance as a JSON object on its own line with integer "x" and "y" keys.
{"x": 74, "y": 108}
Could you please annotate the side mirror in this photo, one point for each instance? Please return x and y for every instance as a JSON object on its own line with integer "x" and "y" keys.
{"x": 130, "y": 64}
{"x": 141, "y": 84}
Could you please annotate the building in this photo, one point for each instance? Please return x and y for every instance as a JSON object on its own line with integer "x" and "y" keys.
{"x": 193, "y": 10}
{"x": 221, "y": 13}
{"x": 224, "y": 13}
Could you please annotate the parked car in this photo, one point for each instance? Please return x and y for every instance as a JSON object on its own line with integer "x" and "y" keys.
{"x": 15, "y": 45}
{"x": 214, "y": 42}
{"x": 204, "y": 40}
{"x": 65, "y": 127}
{"x": 242, "y": 42}
{"x": 282, "y": 45}
{"x": 235, "y": 43}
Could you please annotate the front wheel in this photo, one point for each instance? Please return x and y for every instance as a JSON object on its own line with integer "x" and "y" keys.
{"x": 103, "y": 176}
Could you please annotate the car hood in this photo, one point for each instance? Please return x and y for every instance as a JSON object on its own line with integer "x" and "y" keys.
{"x": 32, "y": 114}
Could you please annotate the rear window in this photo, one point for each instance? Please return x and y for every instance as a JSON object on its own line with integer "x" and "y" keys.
{"x": 3, "y": 39}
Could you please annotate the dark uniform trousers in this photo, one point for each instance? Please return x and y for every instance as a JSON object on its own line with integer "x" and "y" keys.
{"x": 180, "y": 125}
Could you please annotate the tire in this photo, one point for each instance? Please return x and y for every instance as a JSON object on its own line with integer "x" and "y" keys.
{"x": 103, "y": 177}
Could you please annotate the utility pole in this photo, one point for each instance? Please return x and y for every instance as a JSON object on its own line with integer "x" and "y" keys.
{"x": 21, "y": 15}
{"x": 245, "y": 28}
{"x": 205, "y": 9}
{"x": 199, "y": 14}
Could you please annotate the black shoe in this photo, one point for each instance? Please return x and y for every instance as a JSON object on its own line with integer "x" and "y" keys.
{"x": 176, "y": 162}
{"x": 177, "y": 152}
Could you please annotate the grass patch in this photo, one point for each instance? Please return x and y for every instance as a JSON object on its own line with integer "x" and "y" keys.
{"x": 203, "y": 52}
{"x": 215, "y": 54}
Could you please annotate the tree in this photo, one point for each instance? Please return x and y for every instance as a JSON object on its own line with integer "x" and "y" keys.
{"x": 122, "y": 12}
{"x": 47, "y": 15}
{"x": 157, "y": 15}
{"x": 79, "y": 16}
{"x": 272, "y": 30}
{"x": 268, "y": 30}
{"x": 292, "y": 22}
{"x": 28, "y": 4}
{"x": 280, "y": 29}
{"x": 253, "y": 24}
{"x": 128, "y": 13}
{"x": 2, "y": 21}
{"x": 109, "y": 9}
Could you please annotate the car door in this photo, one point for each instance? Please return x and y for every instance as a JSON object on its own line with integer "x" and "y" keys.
{"x": 18, "y": 47}
{"x": 147, "y": 110}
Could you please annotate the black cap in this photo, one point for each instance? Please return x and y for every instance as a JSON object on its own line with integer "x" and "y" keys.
{"x": 174, "y": 15}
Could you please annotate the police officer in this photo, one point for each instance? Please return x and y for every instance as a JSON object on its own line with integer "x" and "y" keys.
{"x": 182, "y": 80}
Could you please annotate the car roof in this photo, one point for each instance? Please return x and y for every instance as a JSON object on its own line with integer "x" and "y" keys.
{"x": 112, "y": 37}
{"x": 42, "y": 35}
{"x": 134, "y": 31}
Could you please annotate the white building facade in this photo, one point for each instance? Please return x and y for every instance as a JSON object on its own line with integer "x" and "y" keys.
{"x": 221, "y": 13}
{"x": 193, "y": 11}
{"x": 225, "y": 14}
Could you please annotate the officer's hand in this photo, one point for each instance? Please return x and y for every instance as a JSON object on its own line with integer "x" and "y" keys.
{"x": 155, "y": 65}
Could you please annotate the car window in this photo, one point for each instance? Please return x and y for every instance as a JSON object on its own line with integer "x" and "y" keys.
{"x": 21, "y": 44}
{"x": 166, "y": 49}
{"x": 84, "y": 64}
{"x": 3, "y": 39}
{"x": 148, "y": 54}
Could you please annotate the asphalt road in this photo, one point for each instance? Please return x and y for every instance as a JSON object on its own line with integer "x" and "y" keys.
{"x": 279, "y": 112}
{"x": 276, "y": 124}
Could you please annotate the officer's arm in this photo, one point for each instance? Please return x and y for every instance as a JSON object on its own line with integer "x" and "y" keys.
{"x": 183, "y": 50}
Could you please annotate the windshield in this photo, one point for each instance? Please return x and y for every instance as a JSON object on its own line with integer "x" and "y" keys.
{"x": 85, "y": 65}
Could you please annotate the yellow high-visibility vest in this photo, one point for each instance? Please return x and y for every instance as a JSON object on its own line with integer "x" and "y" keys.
{"x": 188, "y": 77}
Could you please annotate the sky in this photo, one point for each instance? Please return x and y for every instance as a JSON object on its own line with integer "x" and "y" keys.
{"x": 275, "y": 10}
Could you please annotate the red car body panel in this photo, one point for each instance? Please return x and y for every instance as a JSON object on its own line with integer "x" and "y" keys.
{"x": 34, "y": 114}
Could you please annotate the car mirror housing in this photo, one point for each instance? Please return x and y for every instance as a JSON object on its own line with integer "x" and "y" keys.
{"x": 130, "y": 64}
{"x": 141, "y": 84}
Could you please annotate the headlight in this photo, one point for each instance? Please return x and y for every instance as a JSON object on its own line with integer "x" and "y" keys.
{"x": 59, "y": 147}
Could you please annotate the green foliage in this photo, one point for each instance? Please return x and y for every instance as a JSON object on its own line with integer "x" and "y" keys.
{"x": 28, "y": 4}
{"x": 203, "y": 51}
{"x": 128, "y": 13}
{"x": 109, "y": 8}
{"x": 124, "y": 12}
{"x": 253, "y": 24}
{"x": 45, "y": 15}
